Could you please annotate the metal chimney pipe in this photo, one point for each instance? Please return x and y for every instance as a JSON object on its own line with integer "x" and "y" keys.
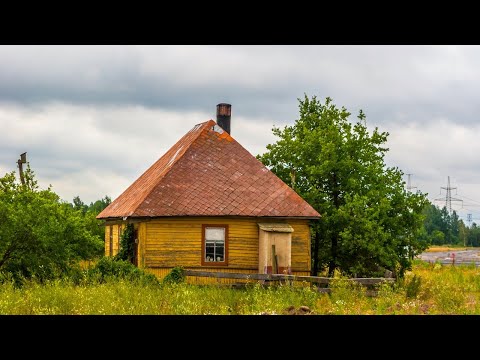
{"x": 224, "y": 115}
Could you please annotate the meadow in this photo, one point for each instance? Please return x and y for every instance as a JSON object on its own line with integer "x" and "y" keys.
{"x": 427, "y": 289}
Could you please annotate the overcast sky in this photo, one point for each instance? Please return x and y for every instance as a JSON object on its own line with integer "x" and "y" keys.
{"x": 92, "y": 119}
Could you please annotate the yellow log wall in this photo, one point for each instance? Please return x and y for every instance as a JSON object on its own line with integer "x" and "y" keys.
{"x": 301, "y": 249}
{"x": 107, "y": 240}
{"x": 142, "y": 235}
{"x": 169, "y": 242}
{"x": 116, "y": 239}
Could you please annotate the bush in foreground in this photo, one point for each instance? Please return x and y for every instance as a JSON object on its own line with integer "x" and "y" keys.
{"x": 111, "y": 269}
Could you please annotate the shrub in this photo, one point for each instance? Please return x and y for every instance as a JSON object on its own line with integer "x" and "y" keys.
{"x": 110, "y": 269}
{"x": 175, "y": 276}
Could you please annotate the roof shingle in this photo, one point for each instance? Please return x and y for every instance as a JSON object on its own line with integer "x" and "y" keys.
{"x": 208, "y": 173}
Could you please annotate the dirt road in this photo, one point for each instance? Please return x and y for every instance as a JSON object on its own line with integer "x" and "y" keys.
{"x": 450, "y": 257}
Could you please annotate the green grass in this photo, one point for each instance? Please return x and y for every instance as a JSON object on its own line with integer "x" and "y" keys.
{"x": 428, "y": 289}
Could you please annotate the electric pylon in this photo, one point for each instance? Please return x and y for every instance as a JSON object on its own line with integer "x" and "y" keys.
{"x": 410, "y": 187}
{"x": 448, "y": 197}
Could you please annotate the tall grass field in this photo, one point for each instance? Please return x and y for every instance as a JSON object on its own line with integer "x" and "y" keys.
{"x": 427, "y": 289}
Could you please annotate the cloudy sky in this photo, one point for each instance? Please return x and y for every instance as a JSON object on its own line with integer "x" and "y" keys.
{"x": 94, "y": 118}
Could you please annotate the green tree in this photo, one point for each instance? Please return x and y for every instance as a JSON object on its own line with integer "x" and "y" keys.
{"x": 90, "y": 212}
{"x": 446, "y": 223}
{"x": 79, "y": 205}
{"x": 127, "y": 244}
{"x": 455, "y": 224}
{"x": 433, "y": 218}
{"x": 473, "y": 235}
{"x": 437, "y": 237}
{"x": 97, "y": 206}
{"x": 452, "y": 228}
{"x": 369, "y": 221}
{"x": 40, "y": 235}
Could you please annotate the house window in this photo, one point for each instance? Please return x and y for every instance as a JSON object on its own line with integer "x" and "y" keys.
{"x": 214, "y": 245}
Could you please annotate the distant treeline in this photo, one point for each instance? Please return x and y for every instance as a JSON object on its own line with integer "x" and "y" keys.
{"x": 443, "y": 228}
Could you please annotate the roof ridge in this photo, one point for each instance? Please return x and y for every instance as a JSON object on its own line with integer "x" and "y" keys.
{"x": 199, "y": 128}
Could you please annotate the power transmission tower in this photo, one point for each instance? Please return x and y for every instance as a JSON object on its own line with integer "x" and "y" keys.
{"x": 410, "y": 187}
{"x": 448, "y": 197}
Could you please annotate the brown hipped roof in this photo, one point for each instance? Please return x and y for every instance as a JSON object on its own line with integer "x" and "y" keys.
{"x": 208, "y": 173}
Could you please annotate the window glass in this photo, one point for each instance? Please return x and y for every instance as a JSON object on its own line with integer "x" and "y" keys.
{"x": 214, "y": 244}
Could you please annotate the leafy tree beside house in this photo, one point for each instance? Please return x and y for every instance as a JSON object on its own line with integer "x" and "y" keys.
{"x": 90, "y": 212}
{"x": 40, "y": 235}
{"x": 369, "y": 221}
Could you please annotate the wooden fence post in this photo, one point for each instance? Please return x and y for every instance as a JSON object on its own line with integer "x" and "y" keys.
{"x": 274, "y": 261}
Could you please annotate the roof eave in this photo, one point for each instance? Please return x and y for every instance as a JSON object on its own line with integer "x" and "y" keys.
{"x": 209, "y": 215}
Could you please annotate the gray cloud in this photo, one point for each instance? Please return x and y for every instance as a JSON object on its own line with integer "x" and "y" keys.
{"x": 262, "y": 80}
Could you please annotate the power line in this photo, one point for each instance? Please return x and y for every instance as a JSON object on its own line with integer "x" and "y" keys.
{"x": 470, "y": 199}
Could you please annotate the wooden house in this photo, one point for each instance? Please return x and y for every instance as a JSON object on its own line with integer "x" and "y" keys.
{"x": 208, "y": 204}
